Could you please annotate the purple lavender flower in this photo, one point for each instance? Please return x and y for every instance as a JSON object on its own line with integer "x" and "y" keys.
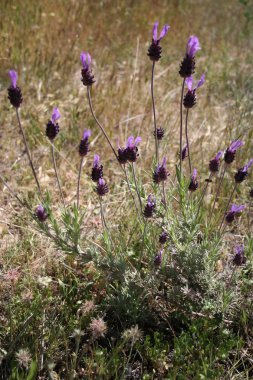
{"x": 233, "y": 212}
{"x": 84, "y": 143}
{"x": 161, "y": 173}
{"x": 159, "y": 133}
{"x": 187, "y": 66}
{"x": 190, "y": 98}
{"x": 155, "y": 50}
{"x": 14, "y": 92}
{"x": 184, "y": 152}
{"x": 239, "y": 257}
{"x": 41, "y": 213}
{"x": 122, "y": 155}
{"x": 242, "y": 173}
{"x": 163, "y": 237}
{"x": 97, "y": 170}
{"x": 52, "y": 128}
{"x": 150, "y": 207}
{"x": 102, "y": 187}
{"x": 193, "y": 183}
{"x": 214, "y": 164}
{"x": 231, "y": 151}
{"x": 87, "y": 77}
{"x": 158, "y": 258}
{"x": 131, "y": 150}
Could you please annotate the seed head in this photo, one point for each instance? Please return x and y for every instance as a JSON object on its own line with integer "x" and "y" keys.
{"x": 159, "y": 133}
{"x": 23, "y": 358}
{"x": 14, "y": 92}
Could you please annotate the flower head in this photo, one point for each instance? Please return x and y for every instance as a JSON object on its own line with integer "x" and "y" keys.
{"x": 155, "y": 50}
{"x": 184, "y": 152}
{"x": 122, "y": 155}
{"x": 23, "y": 358}
{"x": 160, "y": 174}
{"x": 190, "y": 97}
{"x": 233, "y": 212}
{"x": 87, "y": 77}
{"x": 102, "y": 187}
{"x": 163, "y": 237}
{"x": 242, "y": 173}
{"x": 97, "y": 169}
{"x": 214, "y": 164}
{"x": 239, "y": 257}
{"x": 158, "y": 258}
{"x": 193, "y": 183}
{"x": 132, "y": 149}
{"x": 187, "y": 67}
{"x": 41, "y": 213}
{"x": 14, "y": 92}
{"x": 52, "y": 128}
{"x": 98, "y": 328}
{"x": 84, "y": 144}
{"x": 150, "y": 207}
{"x": 159, "y": 133}
{"x": 231, "y": 151}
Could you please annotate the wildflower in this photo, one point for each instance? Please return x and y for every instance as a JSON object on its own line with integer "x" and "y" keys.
{"x": 12, "y": 275}
{"x": 98, "y": 328}
{"x": 44, "y": 281}
{"x": 158, "y": 258}
{"x": 187, "y": 66}
{"x": 214, "y": 164}
{"x": 97, "y": 170}
{"x": 163, "y": 237}
{"x": 239, "y": 258}
{"x": 184, "y": 152}
{"x": 87, "y": 308}
{"x": 193, "y": 183}
{"x": 233, "y": 212}
{"x": 133, "y": 335}
{"x": 132, "y": 149}
{"x": 102, "y": 187}
{"x": 84, "y": 144}
{"x": 41, "y": 213}
{"x": 160, "y": 174}
{"x": 242, "y": 173}
{"x": 155, "y": 50}
{"x": 23, "y": 358}
{"x": 122, "y": 155}
{"x": 52, "y": 128}
{"x": 231, "y": 151}
{"x": 14, "y": 92}
{"x": 87, "y": 77}
{"x": 190, "y": 97}
{"x": 150, "y": 207}
{"x": 159, "y": 133}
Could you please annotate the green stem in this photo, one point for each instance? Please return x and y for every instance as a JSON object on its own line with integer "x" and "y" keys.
{"x": 154, "y": 113}
{"x": 57, "y": 176}
{"x": 187, "y": 139}
{"x": 78, "y": 182}
{"x": 181, "y": 127}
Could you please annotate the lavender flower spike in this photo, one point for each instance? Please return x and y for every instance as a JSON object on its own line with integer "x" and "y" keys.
{"x": 52, "y": 128}
{"x": 193, "y": 46}
{"x": 190, "y": 97}
{"x": 160, "y": 174}
{"x": 239, "y": 258}
{"x": 187, "y": 67}
{"x": 231, "y": 151}
{"x": 233, "y": 212}
{"x": 214, "y": 164}
{"x": 193, "y": 183}
{"x": 132, "y": 149}
{"x": 158, "y": 258}
{"x": 14, "y": 92}
{"x": 87, "y": 77}
{"x": 155, "y": 50}
{"x": 102, "y": 187}
{"x": 41, "y": 213}
{"x": 242, "y": 173}
{"x": 150, "y": 207}
{"x": 97, "y": 170}
{"x": 84, "y": 143}
{"x": 14, "y": 77}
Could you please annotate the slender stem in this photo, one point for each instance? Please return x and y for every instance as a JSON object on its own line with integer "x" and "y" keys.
{"x": 203, "y": 194}
{"x": 164, "y": 195}
{"x": 230, "y": 198}
{"x": 57, "y": 177}
{"x": 28, "y": 152}
{"x": 129, "y": 187}
{"x": 13, "y": 194}
{"x": 78, "y": 182}
{"x": 154, "y": 114}
{"x": 100, "y": 126}
{"x": 136, "y": 186}
{"x": 181, "y": 126}
{"x": 103, "y": 219}
{"x": 218, "y": 192}
{"x": 187, "y": 139}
